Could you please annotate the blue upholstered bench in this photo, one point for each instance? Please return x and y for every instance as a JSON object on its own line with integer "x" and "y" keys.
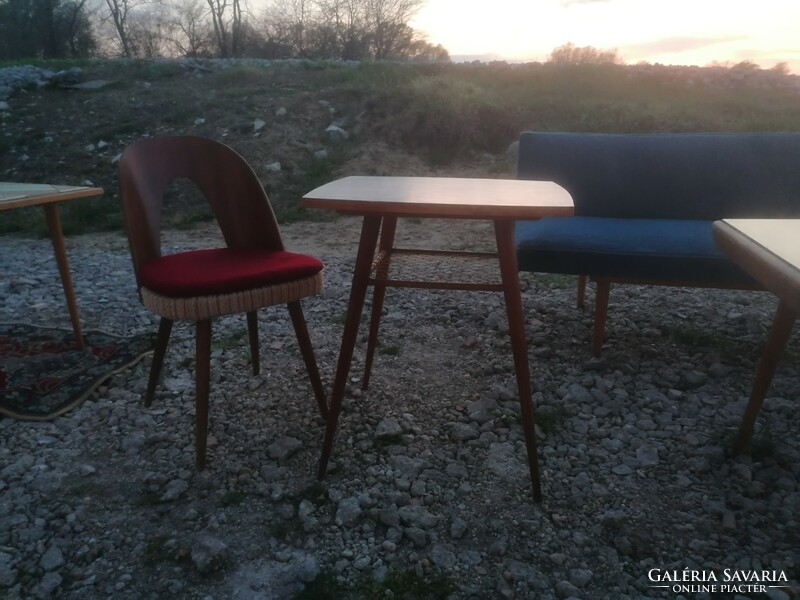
{"x": 644, "y": 205}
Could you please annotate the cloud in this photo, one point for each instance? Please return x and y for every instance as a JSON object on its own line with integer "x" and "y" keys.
{"x": 673, "y": 45}
{"x": 725, "y": 50}
{"x": 570, "y": 2}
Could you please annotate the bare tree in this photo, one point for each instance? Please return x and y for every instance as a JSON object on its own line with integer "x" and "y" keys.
{"x": 346, "y": 37}
{"x": 583, "y": 55}
{"x": 294, "y": 19}
{"x": 148, "y": 32}
{"x": 77, "y": 28}
{"x": 119, "y": 13}
{"x": 387, "y": 21}
{"x": 47, "y": 28}
{"x": 237, "y": 29}
{"x": 422, "y": 50}
{"x": 189, "y": 30}
{"x": 229, "y": 27}
{"x": 346, "y": 29}
{"x": 218, "y": 18}
{"x": 781, "y": 68}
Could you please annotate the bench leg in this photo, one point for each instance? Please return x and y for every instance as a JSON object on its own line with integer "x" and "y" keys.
{"x": 581, "y": 290}
{"x": 600, "y": 312}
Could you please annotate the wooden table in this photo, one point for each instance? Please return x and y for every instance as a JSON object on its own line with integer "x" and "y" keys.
{"x": 381, "y": 200}
{"x": 20, "y": 195}
{"x": 769, "y": 250}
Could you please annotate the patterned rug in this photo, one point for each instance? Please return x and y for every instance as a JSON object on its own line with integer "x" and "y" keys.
{"x": 43, "y": 373}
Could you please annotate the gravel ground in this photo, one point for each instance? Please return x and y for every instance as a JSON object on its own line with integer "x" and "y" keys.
{"x": 427, "y": 493}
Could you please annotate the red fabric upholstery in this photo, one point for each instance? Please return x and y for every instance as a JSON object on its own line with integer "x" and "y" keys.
{"x": 223, "y": 271}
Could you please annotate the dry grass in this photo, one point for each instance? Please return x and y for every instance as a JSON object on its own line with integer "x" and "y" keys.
{"x": 403, "y": 118}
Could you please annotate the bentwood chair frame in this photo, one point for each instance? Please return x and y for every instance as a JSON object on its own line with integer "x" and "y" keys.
{"x": 247, "y": 222}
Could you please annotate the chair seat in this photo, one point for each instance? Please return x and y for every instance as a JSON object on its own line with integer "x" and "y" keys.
{"x": 219, "y": 271}
{"x": 199, "y": 308}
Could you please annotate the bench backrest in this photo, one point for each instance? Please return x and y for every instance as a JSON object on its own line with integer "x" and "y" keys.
{"x": 672, "y": 175}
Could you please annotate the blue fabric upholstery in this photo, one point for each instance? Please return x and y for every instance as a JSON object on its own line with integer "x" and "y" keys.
{"x": 669, "y": 176}
{"x": 644, "y": 204}
{"x": 649, "y": 249}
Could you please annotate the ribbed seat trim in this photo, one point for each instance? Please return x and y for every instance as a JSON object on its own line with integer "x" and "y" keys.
{"x": 201, "y": 308}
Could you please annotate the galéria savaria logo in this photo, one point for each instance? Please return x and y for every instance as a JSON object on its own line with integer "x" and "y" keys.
{"x": 717, "y": 581}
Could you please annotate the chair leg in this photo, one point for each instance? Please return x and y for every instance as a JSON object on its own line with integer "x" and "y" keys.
{"x": 160, "y": 351}
{"x": 252, "y": 330}
{"x": 600, "y": 312}
{"x": 581, "y": 290}
{"x": 307, "y": 350}
{"x": 778, "y": 336}
{"x": 202, "y": 383}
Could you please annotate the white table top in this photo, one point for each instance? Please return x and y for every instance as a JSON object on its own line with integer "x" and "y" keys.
{"x": 17, "y": 195}
{"x": 780, "y": 237}
{"x": 768, "y": 250}
{"x": 444, "y": 197}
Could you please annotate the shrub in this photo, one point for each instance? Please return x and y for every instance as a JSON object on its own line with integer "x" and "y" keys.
{"x": 450, "y": 117}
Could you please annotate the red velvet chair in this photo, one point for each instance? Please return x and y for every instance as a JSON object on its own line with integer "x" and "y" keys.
{"x": 251, "y": 272}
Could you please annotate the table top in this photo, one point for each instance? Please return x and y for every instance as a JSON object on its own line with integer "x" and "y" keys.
{"x": 442, "y": 197}
{"x": 768, "y": 249}
{"x": 17, "y": 195}
{"x": 778, "y": 237}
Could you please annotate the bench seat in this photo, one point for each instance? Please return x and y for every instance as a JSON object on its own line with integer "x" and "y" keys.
{"x": 645, "y": 204}
{"x": 619, "y": 248}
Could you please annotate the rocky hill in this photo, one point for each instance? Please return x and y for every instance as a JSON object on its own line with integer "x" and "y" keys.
{"x": 301, "y": 123}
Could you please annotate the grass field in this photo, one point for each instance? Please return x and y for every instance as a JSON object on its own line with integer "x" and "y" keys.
{"x": 436, "y": 119}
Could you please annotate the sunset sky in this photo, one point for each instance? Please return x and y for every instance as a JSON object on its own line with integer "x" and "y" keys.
{"x": 665, "y": 31}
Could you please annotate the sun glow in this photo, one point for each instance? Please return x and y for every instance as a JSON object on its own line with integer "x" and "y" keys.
{"x": 665, "y": 31}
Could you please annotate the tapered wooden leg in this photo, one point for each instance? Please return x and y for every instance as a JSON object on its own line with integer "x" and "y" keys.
{"x": 160, "y": 351}
{"x": 57, "y": 237}
{"x": 776, "y": 342}
{"x": 600, "y": 312}
{"x": 378, "y": 295}
{"x": 252, "y": 330}
{"x": 307, "y": 350}
{"x": 581, "y": 290}
{"x": 507, "y": 254}
{"x": 202, "y": 383}
{"x": 366, "y": 251}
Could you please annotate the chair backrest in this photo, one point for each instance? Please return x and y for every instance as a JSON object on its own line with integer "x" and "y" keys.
{"x": 233, "y": 190}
